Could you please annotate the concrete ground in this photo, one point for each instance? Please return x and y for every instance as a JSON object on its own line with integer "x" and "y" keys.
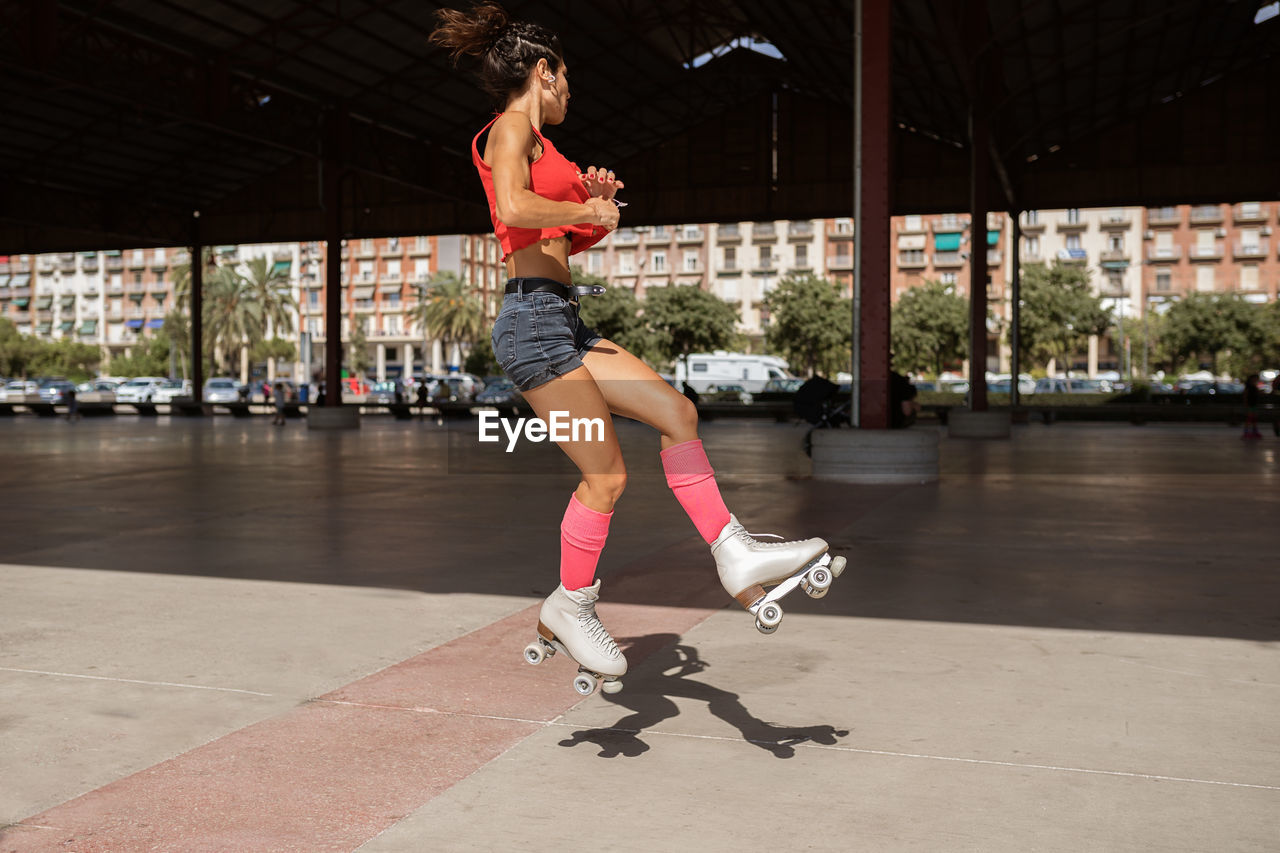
{"x": 219, "y": 635}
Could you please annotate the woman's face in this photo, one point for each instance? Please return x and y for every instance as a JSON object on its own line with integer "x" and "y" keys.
{"x": 555, "y": 98}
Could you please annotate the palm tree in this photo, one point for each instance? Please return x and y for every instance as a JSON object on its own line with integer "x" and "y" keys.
{"x": 271, "y": 288}
{"x": 232, "y": 313}
{"x": 182, "y": 280}
{"x": 448, "y": 311}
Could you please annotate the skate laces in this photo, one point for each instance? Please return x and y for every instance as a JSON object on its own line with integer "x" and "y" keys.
{"x": 594, "y": 628}
{"x": 751, "y": 539}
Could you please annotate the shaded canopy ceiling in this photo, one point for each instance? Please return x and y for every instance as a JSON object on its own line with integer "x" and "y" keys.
{"x": 122, "y": 117}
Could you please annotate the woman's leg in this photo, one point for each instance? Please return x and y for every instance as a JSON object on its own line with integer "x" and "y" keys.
{"x": 632, "y": 389}
{"x": 585, "y": 526}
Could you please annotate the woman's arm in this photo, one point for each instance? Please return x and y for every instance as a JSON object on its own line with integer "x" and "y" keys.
{"x": 510, "y": 141}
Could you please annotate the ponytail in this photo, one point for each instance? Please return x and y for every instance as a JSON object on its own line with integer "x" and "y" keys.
{"x": 508, "y": 50}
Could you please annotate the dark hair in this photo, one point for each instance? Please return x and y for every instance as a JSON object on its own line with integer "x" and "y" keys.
{"x": 508, "y": 49}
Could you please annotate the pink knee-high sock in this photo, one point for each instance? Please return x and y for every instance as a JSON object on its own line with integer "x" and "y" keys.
{"x": 582, "y": 536}
{"x": 691, "y": 478}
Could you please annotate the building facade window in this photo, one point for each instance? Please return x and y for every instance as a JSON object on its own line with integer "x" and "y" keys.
{"x": 691, "y": 261}
{"x": 802, "y": 255}
{"x": 1164, "y": 281}
{"x": 730, "y": 258}
{"x": 1205, "y": 279}
{"x": 658, "y": 262}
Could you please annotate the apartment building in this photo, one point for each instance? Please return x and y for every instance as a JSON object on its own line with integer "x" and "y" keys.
{"x": 737, "y": 261}
{"x": 1210, "y": 248}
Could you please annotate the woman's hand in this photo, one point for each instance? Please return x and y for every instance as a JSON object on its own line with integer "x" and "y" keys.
{"x": 603, "y": 213}
{"x": 600, "y": 182}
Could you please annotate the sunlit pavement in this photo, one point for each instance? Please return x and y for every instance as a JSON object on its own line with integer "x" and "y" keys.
{"x": 220, "y": 635}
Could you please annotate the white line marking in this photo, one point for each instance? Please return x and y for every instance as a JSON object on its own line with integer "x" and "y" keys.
{"x": 133, "y": 681}
{"x": 1055, "y": 768}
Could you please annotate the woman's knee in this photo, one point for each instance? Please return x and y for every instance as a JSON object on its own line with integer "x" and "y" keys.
{"x": 605, "y": 488}
{"x": 685, "y": 417}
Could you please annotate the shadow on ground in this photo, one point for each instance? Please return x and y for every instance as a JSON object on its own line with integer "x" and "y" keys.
{"x": 664, "y": 677}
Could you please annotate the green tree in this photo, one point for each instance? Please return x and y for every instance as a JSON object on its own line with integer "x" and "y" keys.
{"x": 233, "y": 315}
{"x": 75, "y": 361}
{"x": 929, "y": 328}
{"x": 1146, "y": 335}
{"x": 358, "y": 350}
{"x": 182, "y": 281}
{"x": 16, "y": 350}
{"x": 270, "y": 288}
{"x": 810, "y": 324}
{"x": 1219, "y": 330}
{"x": 616, "y": 315}
{"x": 1058, "y": 312}
{"x": 683, "y": 320}
{"x": 450, "y": 312}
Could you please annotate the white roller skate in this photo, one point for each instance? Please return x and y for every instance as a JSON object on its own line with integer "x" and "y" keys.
{"x": 568, "y": 623}
{"x": 746, "y": 565}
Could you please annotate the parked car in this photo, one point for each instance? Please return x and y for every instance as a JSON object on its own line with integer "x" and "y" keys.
{"x": 170, "y": 389}
{"x": 787, "y": 386}
{"x": 140, "y": 389}
{"x": 1064, "y": 385}
{"x": 15, "y": 391}
{"x": 501, "y": 394}
{"x": 55, "y": 391}
{"x": 382, "y": 393}
{"x": 729, "y": 393}
{"x": 221, "y": 390}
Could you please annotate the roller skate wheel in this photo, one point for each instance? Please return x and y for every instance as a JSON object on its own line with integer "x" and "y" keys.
{"x": 837, "y": 566}
{"x": 611, "y": 685}
{"x": 769, "y": 615}
{"x": 534, "y": 653}
{"x": 820, "y": 578}
{"x": 584, "y": 684}
{"x": 815, "y": 592}
{"x": 765, "y": 629}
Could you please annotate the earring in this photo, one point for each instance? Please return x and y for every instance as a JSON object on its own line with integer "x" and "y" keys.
{"x": 551, "y": 78}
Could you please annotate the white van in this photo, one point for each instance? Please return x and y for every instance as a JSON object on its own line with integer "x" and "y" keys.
{"x": 707, "y": 370}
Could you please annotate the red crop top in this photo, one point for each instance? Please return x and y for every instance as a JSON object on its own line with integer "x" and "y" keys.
{"x": 551, "y": 176}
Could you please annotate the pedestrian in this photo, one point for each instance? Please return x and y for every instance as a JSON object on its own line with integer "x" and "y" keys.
{"x": 1252, "y": 394}
{"x": 421, "y": 397}
{"x": 282, "y": 397}
{"x": 560, "y": 364}
{"x": 73, "y": 405}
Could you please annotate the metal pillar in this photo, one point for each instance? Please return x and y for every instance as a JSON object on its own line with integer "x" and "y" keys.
{"x": 979, "y": 162}
{"x": 197, "y": 310}
{"x": 332, "y": 189}
{"x": 871, "y": 215}
{"x": 1015, "y": 307}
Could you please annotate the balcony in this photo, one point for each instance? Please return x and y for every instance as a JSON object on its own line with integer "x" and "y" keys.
{"x": 67, "y": 263}
{"x": 89, "y": 262}
{"x": 1206, "y": 253}
{"x": 1114, "y": 256}
{"x": 137, "y": 260}
{"x": 160, "y": 262}
{"x": 728, "y": 233}
{"x": 1251, "y": 212}
{"x": 947, "y": 259}
{"x": 689, "y": 234}
{"x": 1206, "y": 214}
{"x": 948, "y": 224}
{"x": 1167, "y": 253}
{"x": 389, "y": 285}
{"x": 1073, "y": 256}
{"x": 1260, "y": 249}
{"x": 913, "y": 260}
{"x": 1065, "y": 225}
{"x": 1107, "y": 290}
{"x": 1030, "y": 227}
{"x": 912, "y": 225}
{"x": 366, "y": 249}
{"x": 840, "y": 262}
{"x": 115, "y": 263}
{"x": 626, "y": 237}
{"x": 802, "y": 230}
{"x": 420, "y": 248}
{"x": 45, "y": 263}
{"x": 1163, "y": 216}
{"x": 764, "y": 231}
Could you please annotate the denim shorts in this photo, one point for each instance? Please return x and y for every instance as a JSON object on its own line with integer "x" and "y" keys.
{"x": 539, "y": 336}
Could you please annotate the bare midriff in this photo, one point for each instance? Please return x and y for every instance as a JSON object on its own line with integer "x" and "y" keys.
{"x": 544, "y": 259}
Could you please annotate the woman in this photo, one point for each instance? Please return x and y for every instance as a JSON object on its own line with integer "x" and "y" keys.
{"x": 544, "y": 209}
